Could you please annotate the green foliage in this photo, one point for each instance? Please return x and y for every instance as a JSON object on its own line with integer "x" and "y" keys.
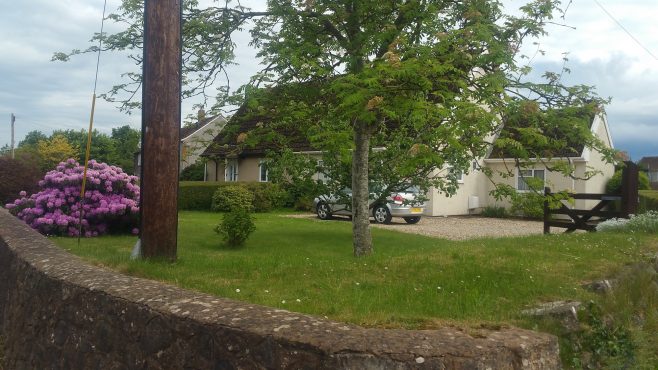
{"x": 614, "y": 184}
{"x": 231, "y": 198}
{"x": 236, "y": 227}
{"x": 55, "y": 150}
{"x": 193, "y": 172}
{"x": 118, "y": 149}
{"x": 530, "y": 205}
{"x": 601, "y": 341}
{"x": 648, "y": 201}
{"x": 422, "y": 84}
{"x": 295, "y": 174}
{"x": 125, "y": 145}
{"x": 196, "y": 195}
{"x": 102, "y": 146}
{"x": 32, "y": 139}
{"x": 17, "y": 175}
{"x": 494, "y": 211}
{"x": 267, "y": 196}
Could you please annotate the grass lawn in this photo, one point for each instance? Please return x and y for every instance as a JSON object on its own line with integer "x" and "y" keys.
{"x": 410, "y": 282}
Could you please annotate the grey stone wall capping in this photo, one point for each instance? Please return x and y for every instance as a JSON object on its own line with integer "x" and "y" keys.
{"x": 56, "y": 311}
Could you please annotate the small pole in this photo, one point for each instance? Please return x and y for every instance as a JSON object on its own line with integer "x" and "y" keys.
{"x": 13, "y": 120}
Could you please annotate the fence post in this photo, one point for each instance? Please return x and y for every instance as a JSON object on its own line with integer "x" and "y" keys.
{"x": 629, "y": 189}
{"x": 547, "y": 227}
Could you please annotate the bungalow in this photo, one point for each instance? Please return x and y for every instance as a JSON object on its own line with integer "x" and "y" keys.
{"x": 230, "y": 161}
{"x": 475, "y": 187}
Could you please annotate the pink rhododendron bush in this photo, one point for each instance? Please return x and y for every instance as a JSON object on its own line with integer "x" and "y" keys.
{"x": 111, "y": 201}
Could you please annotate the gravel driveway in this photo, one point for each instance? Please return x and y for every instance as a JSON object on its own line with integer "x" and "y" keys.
{"x": 457, "y": 227}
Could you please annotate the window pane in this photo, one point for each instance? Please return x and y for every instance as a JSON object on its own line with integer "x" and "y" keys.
{"x": 526, "y": 173}
{"x": 539, "y": 174}
{"x": 521, "y": 184}
{"x": 263, "y": 172}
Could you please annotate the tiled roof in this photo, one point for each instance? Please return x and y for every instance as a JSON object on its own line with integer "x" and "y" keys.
{"x": 567, "y": 135}
{"x": 188, "y": 130}
{"x": 649, "y": 163}
{"x": 259, "y": 114}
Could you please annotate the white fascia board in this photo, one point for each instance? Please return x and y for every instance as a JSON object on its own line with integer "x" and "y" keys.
{"x": 599, "y": 119}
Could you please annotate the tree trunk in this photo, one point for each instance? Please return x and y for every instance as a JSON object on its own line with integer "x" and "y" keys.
{"x": 361, "y": 237}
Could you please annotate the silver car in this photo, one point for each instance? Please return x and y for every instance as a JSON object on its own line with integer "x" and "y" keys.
{"x": 400, "y": 204}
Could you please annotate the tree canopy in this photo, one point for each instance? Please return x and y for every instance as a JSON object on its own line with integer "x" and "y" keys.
{"x": 43, "y": 151}
{"x": 406, "y": 88}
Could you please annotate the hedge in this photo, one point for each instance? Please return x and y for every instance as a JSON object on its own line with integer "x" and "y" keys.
{"x": 198, "y": 195}
{"x": 648, "y": 201}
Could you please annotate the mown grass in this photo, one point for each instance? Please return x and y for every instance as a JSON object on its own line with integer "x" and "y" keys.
{"x": 410, "y": 282}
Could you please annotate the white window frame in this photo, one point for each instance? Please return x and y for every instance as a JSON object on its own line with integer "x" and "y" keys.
{"x": 322, "y": 177}
{"x": 262, "y": 164}
{"x": 231, "y": 170}
{"x": 460, "y": 179}
{"x": 532, "y": 174}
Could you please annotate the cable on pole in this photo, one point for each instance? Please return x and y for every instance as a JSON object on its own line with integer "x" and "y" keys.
{"x": 91, "y": 126}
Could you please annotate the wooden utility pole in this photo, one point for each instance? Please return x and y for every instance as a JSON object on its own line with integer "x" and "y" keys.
{"x": 161, "y": 114}
{"x": 13, "y": 120}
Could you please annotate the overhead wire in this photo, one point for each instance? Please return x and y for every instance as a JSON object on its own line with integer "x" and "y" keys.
{"x": 625, "y": 30}
{"x": 91, "y": 125}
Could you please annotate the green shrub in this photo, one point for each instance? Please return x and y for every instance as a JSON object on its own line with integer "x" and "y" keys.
{"x": 16, "y": 176}
{"x": 194, "y": 172}
{"x": 267, "y": 196}
{"x": 494, "y": 211}
{"x": 530, "y": 205}
{"x": 614, "y": 184}
{"x": 304, "y": 203}
{"x": 231, "y": 198}
{"x": 648, "y": 201}
{"x": 196, "y": 195}
{"x": 643, "y": 223}
{"x": 236, "y": 227}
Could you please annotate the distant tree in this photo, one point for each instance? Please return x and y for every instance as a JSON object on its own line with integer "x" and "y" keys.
{"x": 55, "y": 150}
{"x": 126, "y": 143}
{"x": 32, "y": 139}
{"x": 102, "y": 146}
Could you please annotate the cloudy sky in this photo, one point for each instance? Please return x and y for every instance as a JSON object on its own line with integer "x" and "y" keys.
{"x": 614, "y": 51}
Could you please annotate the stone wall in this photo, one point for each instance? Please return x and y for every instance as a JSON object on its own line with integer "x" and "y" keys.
{"x": 56, "y": 312}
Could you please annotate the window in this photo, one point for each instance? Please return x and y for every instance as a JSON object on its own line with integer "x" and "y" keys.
{"x": 263, "y": 172}
{"x": 231, "y": 171}
{"x": 322, "y": 177}
{"x": 459, "y": 175}
{"x": 525, "y": 175}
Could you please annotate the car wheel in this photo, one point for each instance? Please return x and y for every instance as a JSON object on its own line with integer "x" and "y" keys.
{"x": 412, "y": 220}
{"x": 381, "y": 215}
{"x": 323, "y": 211}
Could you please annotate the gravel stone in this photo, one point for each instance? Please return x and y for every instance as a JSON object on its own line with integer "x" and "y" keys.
{"x": 456, "y": 227}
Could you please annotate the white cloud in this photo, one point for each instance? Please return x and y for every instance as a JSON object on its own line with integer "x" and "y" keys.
{"x": 45, "y": 95}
